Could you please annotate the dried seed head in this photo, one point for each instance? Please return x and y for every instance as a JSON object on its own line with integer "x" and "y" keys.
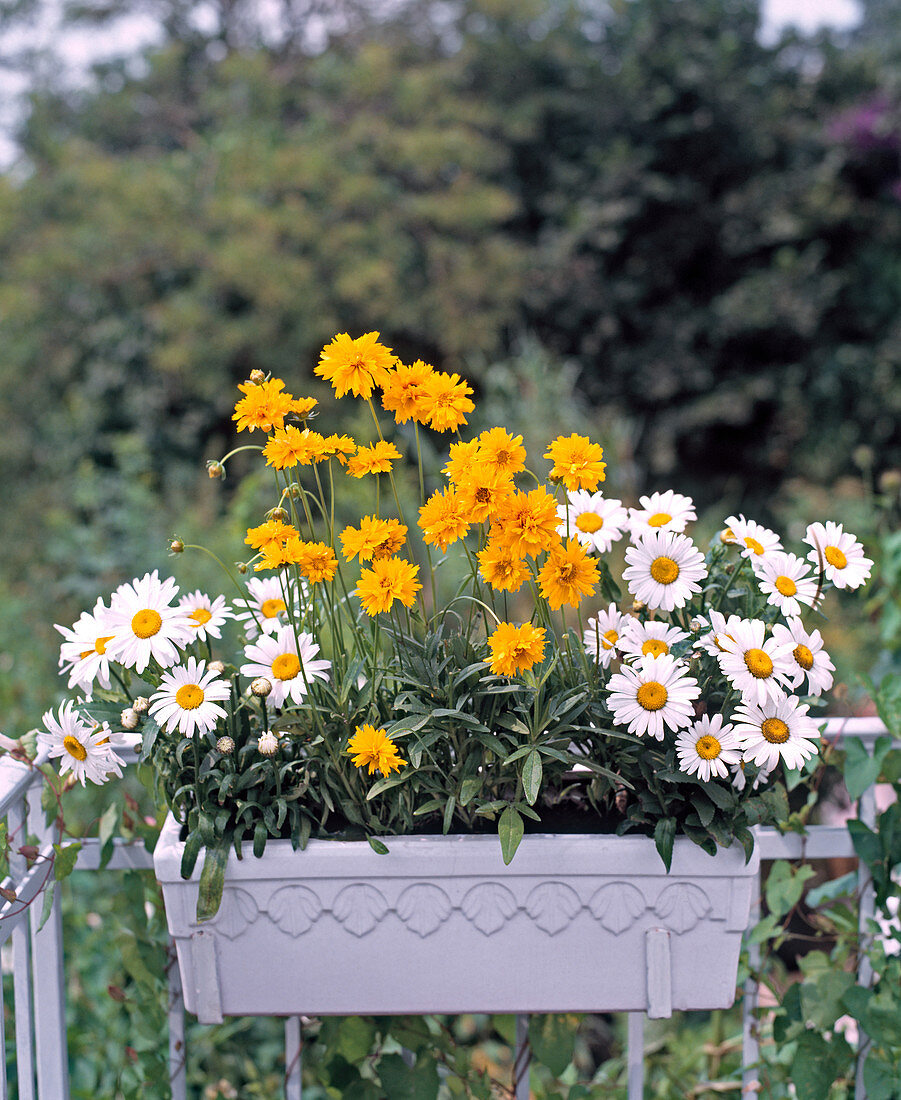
{"x": 225, "y": 745}
{"x": 261, "y": 687}
{"x": 129, "y": 719}
{"x": 268, "y": 743}
{"x": 141, "y": 705}
{"x": 278, "y": 514}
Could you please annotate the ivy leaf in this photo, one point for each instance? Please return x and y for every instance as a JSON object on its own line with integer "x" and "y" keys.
{"x": 861, "y": 769}
{"x": 785, "y": 885}
{"x": 553, "y": 1040}
{"x": 402, "y": 1082}
{"x": 64, "y": 863}
{"x": 880, "y": 1079}
{"x": 813, "y": 1067}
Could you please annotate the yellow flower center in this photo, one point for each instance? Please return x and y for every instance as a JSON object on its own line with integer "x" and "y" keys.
{"x": 483, "y": 495}
{"x": 502, "y": 458}
{"x": 835, "y": 557}
{"x": 775, "y": 731}
{"x": 786, "y": 586}
{"x": 270, "y": 608}
{"x": 200, "y": 615}
{"x": 286, "y": 666}
{"x": 611, "y": 637}
{"x": 589, "y": 522}
{"x": 100, "y": 644}
{"x": 653, "y": 647}
{"x": 759, "y": 663}
{"x": 753, "y": 544}
{"x": 147, "y": 623}
{"x": 708, "y": 748}
{"x": 74, "y": 747}
{"x": 189, "y": 696}
{"x": 664, "y": 570}
{"x": 652, "y": 696}
{"x": 565, "y": 572}
{"x": 803, "y": 656}
{"x": 658, "y": 519}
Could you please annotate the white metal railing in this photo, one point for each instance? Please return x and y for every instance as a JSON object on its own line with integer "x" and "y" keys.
{"x": 37, "y": 955}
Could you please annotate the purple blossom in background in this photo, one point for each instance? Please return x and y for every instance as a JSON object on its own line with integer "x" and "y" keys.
{"x": 869, "y": 126}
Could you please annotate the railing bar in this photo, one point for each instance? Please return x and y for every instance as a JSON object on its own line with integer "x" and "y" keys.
{"x": 819, "y": 842}
{"x": 176, "y": 1017}
{"x": 293, "y": 1059}
{"x": 16, "y": 778}
{"x": 635, "y": 1055}
{"x": 128, "y": 855}
{"x": 21, "y": 968}
{"x": 3, "y": 1082}
{"x": 27, "y": 887}
{"x": 866, "y": 812}
{"x": 522, "y": 1059}
{"x": 750, "y": 1048}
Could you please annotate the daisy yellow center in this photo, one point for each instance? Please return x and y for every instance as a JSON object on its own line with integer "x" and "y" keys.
{"x": 652, "y": 696}
{"x": 100, "y": 644}
{"x": 664, "y": 570}
{"x": 658, "y": 519}
{"x": 201, "y": 615}
{"x": 786, "y": 586}
{"x": 611, "y": 637}
{"x": 835, "y": 557}
{"x": 803, "y": 656}
{"x": 589, "y": 522}
{"x": 86, "y": 653}
{"x": 708, "y": 748}
{"x": 775, "y": 731}
{"x": 189, "y": 696}
{"x": 753, "y": 544}
{"x": 270, "y": 608}
{"x": 653, "y": 647}
{"x": 286, "y": 666}
{"x": 147, "y": 623}
{"x": 74, "y": 747}
{"x": 759, "y": 663}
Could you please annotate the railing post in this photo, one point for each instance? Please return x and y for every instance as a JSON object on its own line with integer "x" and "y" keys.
{"x": 750, "y": 1048}
{"x": 635, "y": 1056}
{"x": 176, "y": 1018}
{"x": 522, "y": 1059}
{"x": 866, "y": 812}
{"x": 21, "y": 963}
{"x": 293, "y": 1058}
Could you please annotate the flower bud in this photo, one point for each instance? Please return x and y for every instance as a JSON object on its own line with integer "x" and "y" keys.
{"x": 294, "y": 491}
{"x": 7, "y": 894}
{"x": 278, "y": 514}
{"x": 696, "y": 625}
{"x": 141, "y": 705}
{"x": 215, "y": 469}
{"x": 241, "y": 566}
{"x": 268, "y": 744}
{"x": 225, "y": 745}
{"x": 216, "y": 666}
{"x": 863, "y": 456}
{"x": 257, "y": 377}
{"x": 129, "y": 719}
{"x": 261, "y": 687}
{"x": 890, "y": 481}
{"x": 29, "y": 851}
{"x": 727, "y": 535}
{"x": 637, "y": 606}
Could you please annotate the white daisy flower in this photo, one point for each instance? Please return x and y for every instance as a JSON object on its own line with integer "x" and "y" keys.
{"x": 264, "y": 608}
{"x": 780, "y": 729}
{"x": 838, "y": 553}
{"x": 145, "y": 625}
{"x": 287, "y": 663}
{"x": 714, "y": 630}
{"x": 667, "y": 511}
{"x": 83, "y": 748}
{"x": 652, "y": 695}
{"x": 663, "y": 570}
{"x": 83, "y": 653}
{"x": 707, "y": 747}
{"x": 740, "y": 780}
{"x": 756, "y": 541}
{"x": 603, "y": 633}
{"x": 188, "y": 699}
{"x": 595, "y": 520}
{"x": 808, "y": 656}
{"x": 207, "y": 616}
{"x": 760, "y": 668}
{"x": 786, "y": 582}
{"x": 650, "y": 639}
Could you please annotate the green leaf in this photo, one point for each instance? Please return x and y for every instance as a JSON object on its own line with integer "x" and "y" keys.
{"x": 861, "y": 769}
{"x": 377, "y": 846}
{"x": 64, "y": 861}
{"x": 785, "y": 885}
{"x": 47, "y": 904}
{"x": 448, "y": 813}
{"x": 469, "y": 788}
{"x": 866, "y": 842}
{"x": 813, "y": 1071}
{"x": 510, "y": 829}
{"x": 845, "y": 886}
{"x": 664, "y": 838}
{"x": 403, "y": 1082}
{"x": 531, "y": 777}
{"x": 880, "y": 1078}
{"x": 189, "y": 856}
{"x": 553, "y": 1040}
{"x": 355, "y": 1038}
{"x": 212, "y": 881}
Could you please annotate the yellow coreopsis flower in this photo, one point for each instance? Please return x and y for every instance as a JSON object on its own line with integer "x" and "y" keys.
{"x": 515, "y": 648}
{"x": 340, "y": 447}
{"x": 482, "y": 491}
{"x": 461, "y": 459}
{"x": 376, "y": 459}
{"x": 373, "y": 749}
{"x": 388, "y": 580}
{"x": 526, "y": 522}
{"x": 290, "y": 446}
{"x": 443, "y": 518}
{"x": 445, "y": 401}
{"x": 577, "y": 462}
{"x": 503, "y": 451}
{"x": 276, "y": 554}
{"x": 403, "y": 389}
{"x": 502, "y": 568}
{"x": 263, "y": 406}
{"x": 272, "y": 533}
{"x": 568, "y": 574}
{"x": 355, "y": 366}
{"x": 375, "y": 538}
{"x": 317, "y": 561}
{"x": 301, "y": 407}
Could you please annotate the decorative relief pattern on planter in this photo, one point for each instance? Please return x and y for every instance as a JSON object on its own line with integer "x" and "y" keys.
{"x": 618, "y": 905}
{"x": 424, "y": 908}
{"x": 238, "y": 910}
{"x": 294, "y": 909}
{"x": 682, "y": 905}
{"x": 360, "y": 908}
{"x": 552, "y": 906}
{"x": 489, "y": 906}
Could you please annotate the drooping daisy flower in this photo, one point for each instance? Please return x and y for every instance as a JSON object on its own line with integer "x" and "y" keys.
{"x": 207, "y": 617}
{"x": 340, "y": 447}
{"x": 780, "y": 729}
{"x": 502, "y": 452}
{"x": 403, "y": 388}
{"x": 576, "y": 462}
{"x": 444, "y": 402}
{"x": 515, "y": 648}
{"x": 603, "y": 633}
{"x": 740, "y": 779}
{"x": 373, "y": 749}
{"x": 652, "y": 695}
{"x": 786, "y": 582}
{"x": 355, "y": 366}
{"x": 188, "y": 699}
{"x": 145, "y": 625}
{"x": 707, "y": 748}
{"x": 756, "y": 541}
{"x": 287, "y": 662}
{"x": 663, "y": 570}
{"x": 502, "y": 567}
{"x": 83, "y": 653}
{"x": 714, "y": 630}
{"x": 595, "y": 520}
{"x": 759, "y": 667}
{"x": 667, "y": 511}
{"x": 388, "y": 580}
{"x": 374, "y": 538}
{"x": 838, "y": 553}
{"x": 649, "y": 639}
{"x": 264, "y": 608}
{"x": 808, "y": 656}
{"x": 567, "y": 575}
{"x": 83, "y": 749}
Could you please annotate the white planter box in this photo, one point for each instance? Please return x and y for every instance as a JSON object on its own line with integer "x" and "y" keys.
{"x": 575, "y": 923}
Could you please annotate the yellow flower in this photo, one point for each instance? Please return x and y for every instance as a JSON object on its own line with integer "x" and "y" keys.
{"x": 388, "y": 580}
{"x": 317, "y": 561}
{"x": 483, "y": 490}
{"x": 577, "y": 462}
{"x": 462, "y": 458}
{"x": 264, "y": 406}
{"x": 357, "y": 365}
{"x": 515, "y": 648}
{"x": 276, "y": 554}
{"x": 375, "y": 538}
{"x": 567, "y": 575}
{"x": 403, "y": 389}
{"x": 394, "y": 539}
{"x": 376, "y": 459}
{"x": 340, "y": 447}
{"x": 445, "y": 401}
{"x": 526, "y": 522}
{"x": 502, "y": 568}
{"x": 272, "y": 533}
{"x": 373, "y": 748}
{"x": 289, "y": 446}
{"x": 503, "y": 451}
{"x": 303, "y": 406}
{"x": 443, "y": 518}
